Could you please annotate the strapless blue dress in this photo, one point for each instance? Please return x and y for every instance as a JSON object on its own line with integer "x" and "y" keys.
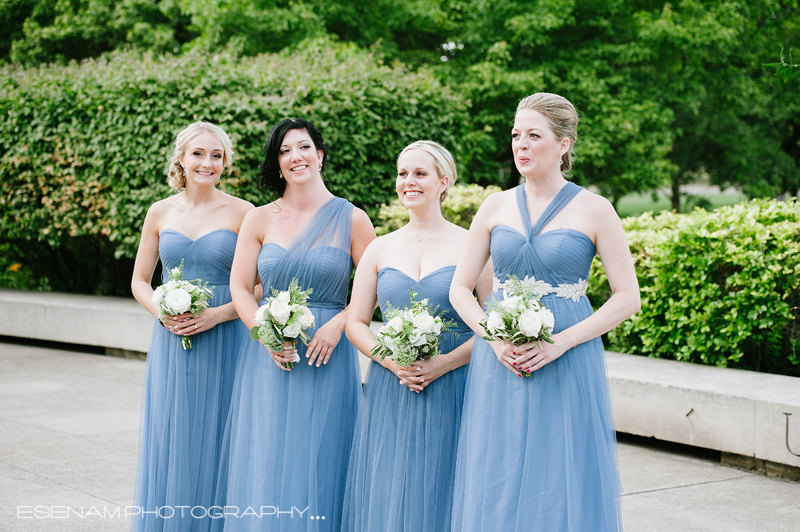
{"x": 186, "y": 395}
{"x": 403, "y": 462}
{"x": 289, "y": 433}
{"x": 539, "y": 453}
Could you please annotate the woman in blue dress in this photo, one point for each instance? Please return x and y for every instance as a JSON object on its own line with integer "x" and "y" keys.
{"x": 403, "y": 461}
{"x": 539, "y": 453}
{"x": 187, "y": 393}
{"x": 290, "y": 431}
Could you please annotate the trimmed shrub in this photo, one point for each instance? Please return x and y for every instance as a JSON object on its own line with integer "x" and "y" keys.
{"x": 719, "y": 288}
{"x": 84, "y": 147}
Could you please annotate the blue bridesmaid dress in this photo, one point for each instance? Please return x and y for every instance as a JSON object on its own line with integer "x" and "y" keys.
{"x": 403, "y": 462}
{"x": 539, "y": 453}
{"x": 186, "y": 396}
{"x": 289, "y": 433}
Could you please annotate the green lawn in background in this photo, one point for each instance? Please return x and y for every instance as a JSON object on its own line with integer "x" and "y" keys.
{"x": 636, "y": 204}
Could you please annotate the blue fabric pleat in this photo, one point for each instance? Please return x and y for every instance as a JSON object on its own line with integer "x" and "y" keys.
{"x": 539, "y": 453}
{"x": 403, "y": 462}
{"x": 186, "y": 396}
{"x": 289, "y": 434}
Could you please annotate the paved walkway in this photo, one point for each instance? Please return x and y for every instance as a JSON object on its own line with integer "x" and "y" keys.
{"x": 68, "y": 440}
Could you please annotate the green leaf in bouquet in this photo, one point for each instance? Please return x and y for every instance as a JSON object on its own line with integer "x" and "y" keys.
{"x": 254, "y": 333}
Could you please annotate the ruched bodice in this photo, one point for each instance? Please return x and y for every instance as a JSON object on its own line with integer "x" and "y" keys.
{"x": 208, "y": 258}
{"x": 393, "y": 287}
{"x": 556, "y": 256}
{"x": 403, "y": 460}
{"x": 319, "y": 257}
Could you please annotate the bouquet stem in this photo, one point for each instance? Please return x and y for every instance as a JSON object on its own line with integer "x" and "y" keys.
{"x": 186, "y": 342}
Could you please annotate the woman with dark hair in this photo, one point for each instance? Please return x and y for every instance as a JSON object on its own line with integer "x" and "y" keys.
{"x": 187, "y": 392}
{"x": 290, "y": 431}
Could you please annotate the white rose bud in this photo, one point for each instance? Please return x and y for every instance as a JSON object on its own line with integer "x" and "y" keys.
{"x": 424, "y": 323}
{"x": 280, "y": 311}
{"x": 284, "y": 297}
{"x": 293, "y": 330}
{"x": 396, "y": 324}
{"x": 307, "y": 319}
{"x": 548, "y": 321}
{"x": 495, "y": 322}
{"x": 261, "y": 314}
{"x": 530, "y": 323}
{"x": 437, "y": 327}
{"x": 510, "y": 303}
{"x": 158, "y": 295}
{"x": 178, "y": 300}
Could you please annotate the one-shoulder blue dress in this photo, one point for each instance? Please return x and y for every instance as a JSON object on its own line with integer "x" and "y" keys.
{"x": 186, "y": 396}
{"x": 403, "y": 462}
{"x": 289, "y": 433}
{"x": 539, "y": 453}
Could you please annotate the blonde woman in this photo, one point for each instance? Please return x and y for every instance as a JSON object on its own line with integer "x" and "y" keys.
{"x": 403, "y": 460}
{"x": 539, "y": 453}
{"x": 187, "y": 393}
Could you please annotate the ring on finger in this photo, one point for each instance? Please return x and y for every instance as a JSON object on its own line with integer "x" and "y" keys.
{"x": 195, "y": 326}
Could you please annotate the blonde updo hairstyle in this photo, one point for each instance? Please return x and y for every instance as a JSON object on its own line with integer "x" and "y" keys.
{"x": 176, "y": 177}
{"x": 444, "y": 162}
{"x": 561, "y": 115}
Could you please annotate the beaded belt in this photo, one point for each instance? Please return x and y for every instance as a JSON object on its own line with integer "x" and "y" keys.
{"x": 540, "y": 288}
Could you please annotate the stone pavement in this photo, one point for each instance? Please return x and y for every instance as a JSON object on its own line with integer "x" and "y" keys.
{"x": 68, "y": 442}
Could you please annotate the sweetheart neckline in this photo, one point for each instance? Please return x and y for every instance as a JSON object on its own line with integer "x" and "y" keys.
{"x": 421, "y": 278}
{"x": 199, "y": 237}
{"x": 567, "y": 229}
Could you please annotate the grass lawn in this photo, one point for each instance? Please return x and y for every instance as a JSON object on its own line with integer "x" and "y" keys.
{"x": 636, "y": 204}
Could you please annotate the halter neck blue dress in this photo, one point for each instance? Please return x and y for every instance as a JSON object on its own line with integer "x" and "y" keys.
{"x": 186, "y": 395}
{"x": 403, "y": 462}
{"x": 289, "y": 433}
{"x": 539, "y": 453}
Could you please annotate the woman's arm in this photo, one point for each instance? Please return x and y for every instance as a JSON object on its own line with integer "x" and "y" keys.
{"x": 612, "y": 247}
{"x": 244, "y": 270}
{"x": 146, "y": 260}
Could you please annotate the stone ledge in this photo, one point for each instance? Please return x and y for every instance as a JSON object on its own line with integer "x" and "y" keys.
{"x": 739, "y": 412}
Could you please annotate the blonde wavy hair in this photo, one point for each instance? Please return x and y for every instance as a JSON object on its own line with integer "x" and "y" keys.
{"x": 444, "y": 162}
{"x": 176, "y": 177}
{"x": 561, "y": 115}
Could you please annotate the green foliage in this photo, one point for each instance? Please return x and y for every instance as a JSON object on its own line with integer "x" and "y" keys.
{"x": 15, "y": 274}
{"x": 459, "y": 207}
{"x": 719, "y": 288}
{"x": 85, "y": 147}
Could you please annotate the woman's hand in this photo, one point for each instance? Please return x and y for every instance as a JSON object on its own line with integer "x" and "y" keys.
{"x": 507, "y": 354}
{"x": 187, "y": 325}
{"x": 398, "y": 371}
{"x": 421, "y": 373}
{"x": 531, "y": 357}
{"x": 289, "y": 354}
{"x": 325, "y": 340}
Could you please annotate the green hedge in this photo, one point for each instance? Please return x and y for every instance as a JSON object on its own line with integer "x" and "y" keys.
{"x": 719, "y": 288}
{"x": 84, "y": 147}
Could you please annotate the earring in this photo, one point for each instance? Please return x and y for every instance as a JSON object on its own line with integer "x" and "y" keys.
{"x": 184, "y": 171}
{"x": 280, "y": 174}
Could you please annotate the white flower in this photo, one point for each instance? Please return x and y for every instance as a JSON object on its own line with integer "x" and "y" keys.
{"x": 495, "y": 322}
{"x": 510, "y": 303}
{"x": 158, "y": 295}
{"x": 175, "y": 272}
{"x": 292, "y": 330}
{"x": 417, "y": 338}
{"x": 284, "y": 297}
{"x": 280, "y": 311}
{"x": 171, "y": 285}
{"x": 424, "y": 323}
{"x": 548, "y": 321}
{"x": 261, "y": 314}
{"x": 306, "y": 320}
{"x": 437, "y": 326}
{"x": 396, "y": 324}
{"x": 530, "y": 323}
{"x": 178, "y": 300}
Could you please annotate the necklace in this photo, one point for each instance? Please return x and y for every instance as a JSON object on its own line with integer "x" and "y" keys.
{"x": 419, "y": 238}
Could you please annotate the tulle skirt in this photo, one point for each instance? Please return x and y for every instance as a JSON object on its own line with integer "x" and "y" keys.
{"x": 185, "y": 401}
{"x": 403, "y": 463}
{"x": 288, "y": 440}
{"x": 539, "y": 453}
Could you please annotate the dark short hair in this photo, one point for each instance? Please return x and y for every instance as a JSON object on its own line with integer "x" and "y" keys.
{"x": 268, "y": 176}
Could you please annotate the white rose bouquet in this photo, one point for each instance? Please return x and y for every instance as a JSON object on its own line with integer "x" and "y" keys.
{"x": 177, "y": 296}
{"x": 284, "y": 318}
{"x": 519, "y": 318}
{"x": 411, "y": 334}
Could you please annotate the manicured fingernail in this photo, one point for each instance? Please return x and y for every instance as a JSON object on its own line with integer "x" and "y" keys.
{"x": 513, "y": 363}
{"x": 422, "y": 380}
{"x": 402, "y": 382}
{"x": 513, "y": 352}
{"x": 308, "y": 355}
